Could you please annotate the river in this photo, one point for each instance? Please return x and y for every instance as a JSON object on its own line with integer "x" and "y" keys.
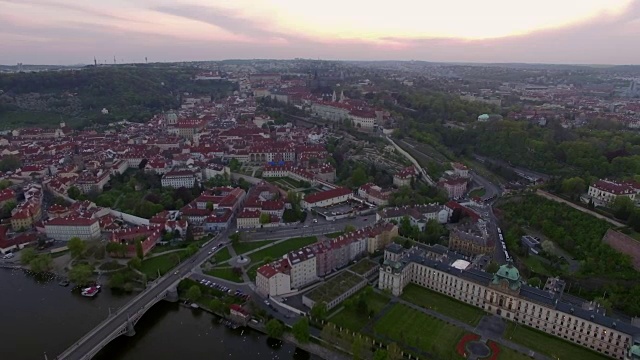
{"x": 38, "y": 316}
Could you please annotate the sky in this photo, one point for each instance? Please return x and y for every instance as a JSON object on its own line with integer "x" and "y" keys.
{"x": 540, "y": 31}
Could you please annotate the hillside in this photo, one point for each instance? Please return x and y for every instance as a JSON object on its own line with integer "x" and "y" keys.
{"x": 134, "y": 93}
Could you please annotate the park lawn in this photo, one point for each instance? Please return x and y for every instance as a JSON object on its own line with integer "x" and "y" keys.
{"x": 252, "y": 272}
{"x": 443, "y": 304}
{"x": 162, "y": 263}
{"x": 178, "y": 245}
{"x": 225, "y": 273}
{"x": 508, "y": 354}
{"x": 536, "y": 265}
{"x": 409, "y": 327}
{"x": 278, "y": 250}
{"x": 245, "y": 247}
{"x": 547, "y": 344}
{"x": 222, "y": 255}
{"x": 350, "y": 319}
{"x": 477, "y": 193}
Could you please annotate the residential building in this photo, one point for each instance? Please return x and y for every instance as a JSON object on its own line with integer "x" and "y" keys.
{"x": 418, "y": 215}
{"x": 604, "y": 191}
{"x": 474, "y": 241}
{"x": 147, "y": 235}
{"x": 326, "y": 198}
{"x": 63, "y": 229}
{"x": 505, "y": 294}
{"x": 248, "y": 219}
{"x": 404, "y": 176}
{"x": 218, "y": 221}
{"x": 274, "y": 279}
{"x": 179, "y": 178}
{"x": 455, "y": 187}
{"x": 7, "y": 195}
{"x": 303, "y": 267}
{"x": 374, "y": 194}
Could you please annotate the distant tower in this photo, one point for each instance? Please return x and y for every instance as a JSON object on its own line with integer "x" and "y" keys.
{"x": 114, "y": 59}
{"x": 333, "y": 97}
{"x": 95, "y": 62}
{"x": 342, "y": 98}
{"x": 20, "y": 67}
{"x": 145, "y": 59}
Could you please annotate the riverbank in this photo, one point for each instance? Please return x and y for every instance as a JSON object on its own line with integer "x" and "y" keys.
{"x": 312, "y": 348}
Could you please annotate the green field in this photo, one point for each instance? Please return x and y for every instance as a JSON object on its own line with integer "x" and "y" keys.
{"x": 225, "y": 273}
{"x": 252, "y": 272}
{"x": 508, "y": 354}
{"x": 162, "y": 263}
{"x": 222, "y": 255}
{"x": 411, "y": 327}
{"x": 278, "y": 250}
{"x": 547, "y": 344}
{"x": 245, "y": 247}
{"x": 351, "y": 319}
{"x": 334, "y": 235}
{"x": 536, "y": 265}
{"x": 363, "y": 266}
{"x": 477, "y": 193}
{"x": 443, "y": 304}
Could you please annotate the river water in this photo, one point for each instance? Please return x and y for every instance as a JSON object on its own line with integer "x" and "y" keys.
{"x": 38, "y": 316}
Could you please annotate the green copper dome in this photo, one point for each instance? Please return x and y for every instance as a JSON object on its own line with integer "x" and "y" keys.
{"x": 509, "y": 272}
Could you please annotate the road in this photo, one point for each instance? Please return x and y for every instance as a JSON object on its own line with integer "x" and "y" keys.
{"x": 309, "y": 228}
{"x": 492, "y": 191}
{"x": 102, "y": 333}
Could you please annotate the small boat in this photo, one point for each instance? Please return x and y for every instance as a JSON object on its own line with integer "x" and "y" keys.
{"x": 64, "y": 283}
{"x": 90, "y": 291}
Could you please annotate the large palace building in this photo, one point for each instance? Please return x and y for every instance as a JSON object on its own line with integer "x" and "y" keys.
{"x": 505, "y": 294}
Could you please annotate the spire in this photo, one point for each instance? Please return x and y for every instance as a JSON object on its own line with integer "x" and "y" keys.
{"x": 333, "y": 97}
{"x": 342, "y": 98}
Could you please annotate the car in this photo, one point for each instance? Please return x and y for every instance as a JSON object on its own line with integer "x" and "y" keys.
{"x": 306, "y": 226}
{"x": 315, "y": 220}
{"x": 210, "y": 252}
{"x": 266, "y": 302}
{"x": 365, "y": 219}
{"x": 176, "y": 273}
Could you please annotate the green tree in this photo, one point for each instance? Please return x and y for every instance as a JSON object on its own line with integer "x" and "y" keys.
{"x": 41, "y": 263}
{"x": 622, "y": 207}
{"x": 217, "y": 306}
{"x": 135, "y": 263}
{"x": 4, "y": 184}
{"x": 300, "y": 330}
{"x": 117, "y": 280}
{"x": 265, "y": 218}
{"x": 10, "y": 163}
{"x": 349, "y": 228}
{"x": 319, "y": 310}
{"x": 9, "y": 206}
{"x": 235, "y": 238}
{"x": 394, "y": 352}
{"x": 76, "y": 247}
{"x": 26, "y": 255}
{"x": 194, "y": 293}
{"x": 81, "y": 274}
{"x": 115, "y": 248}
{"x": 634, "y": 220}
{"x": 493, "y": 267}
{"x": 358, "y": 348}
{"x": 574, "y": 187}
{"x": 274, "y": 328}
{"x": 380, "y": 354}
{"x": 139, "y": 249}
{"x": 535, "y": 281}
{"x": 359, "y": 177}
{"x": 405, "y": 228}
{"x": 234, "y": 165}
{"x": 74, "y": 192}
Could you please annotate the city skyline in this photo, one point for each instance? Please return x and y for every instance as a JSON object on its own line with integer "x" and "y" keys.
{"x": 62, "y": 32}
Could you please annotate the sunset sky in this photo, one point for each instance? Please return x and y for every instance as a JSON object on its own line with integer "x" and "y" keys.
{"x": 546, "y": 31}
